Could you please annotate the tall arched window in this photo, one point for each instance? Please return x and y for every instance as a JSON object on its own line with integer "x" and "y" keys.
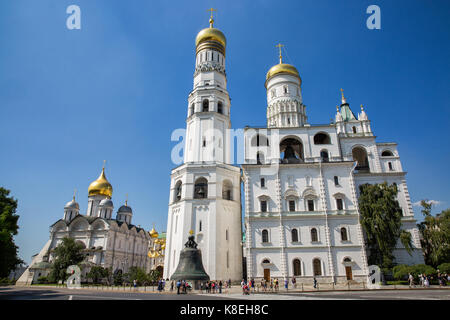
{"x": 317, "y": 267}
{"x": 297, "y": 268}
{"x": 178, "y": 191}
{"x": 201, "y": 189}
{"x": 220, "y": 107}
{"x": 314, "y": 237}
{"x": 227, "y": 190}
{"x": 294, "y": 234}
{"x": 322, "y": 138}
{"x": 291, "y": 150}
{"x": 344, "y": 236}
{"x": 259, "y": 158}
{"x": 360, "y": 156}
{"x": 265, "y": 236}
{"x": 324, "y": 155}
{"x": 205, "y": 105}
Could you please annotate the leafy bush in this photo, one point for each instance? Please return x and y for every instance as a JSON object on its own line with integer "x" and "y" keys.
{"x": 444, "y": 268}
{"x": 402, "y": 271}
{"x": 6, "y": 282}
{"x": 43, "y": 280}
{"x": 422, "y": 269}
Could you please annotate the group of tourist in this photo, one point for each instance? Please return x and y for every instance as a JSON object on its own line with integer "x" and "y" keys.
{"x": 214, "y": 286}
{"x": 425, "y": 280}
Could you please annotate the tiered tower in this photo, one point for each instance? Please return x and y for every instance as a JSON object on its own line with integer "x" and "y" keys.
{"x": 205, "y": 190}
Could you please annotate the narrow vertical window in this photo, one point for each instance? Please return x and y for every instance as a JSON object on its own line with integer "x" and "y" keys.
{"x": 294, "y": 235}
{"x": 200, "y": 226}
{"x": 344, "y": 236}
{"x": 226, "y": 234}
{"x": 390, "y": 166}
{"x": 265, "y": 236}
{"x": 263, "y": 183}
{"x": 291, "y": 205}
{"x": 263, "y": 206}
{"x": 336, "y": 180}
{"x": 310, "y": 205}
{"x": 339, "y": 204}
{"x": 314, "y": 237}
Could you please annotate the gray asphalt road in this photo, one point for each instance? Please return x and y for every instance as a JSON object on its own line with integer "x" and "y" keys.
{"x": 42, "y": 293}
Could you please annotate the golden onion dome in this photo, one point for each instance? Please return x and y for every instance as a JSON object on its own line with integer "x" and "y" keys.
{"x": 101, "y": 186}
{"x": 211, "y": 38}
{"x": 283, "y": 68}
{"x": 153, "y": 233}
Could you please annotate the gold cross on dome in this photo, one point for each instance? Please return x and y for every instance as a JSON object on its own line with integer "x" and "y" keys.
{"x": 74, "y": 194}
{"x": 212, "y": 10}
{"x": 279, "y": 46}
{"x": 211, "y": 20}
{"x": 191, "y": 232}
{"x": 126, "y": 201}
{"x": 104, "y": 164}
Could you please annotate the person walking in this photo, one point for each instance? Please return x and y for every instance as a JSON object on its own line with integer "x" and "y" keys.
{"x": 426, "y": 281}
{"x": 286, "y": 282}
{"x": 178, "y": 286}
{"x": 220, "y": 286}
{"x": 171, "y": 286}
{"x": 315, "y": 283}
{"x": 294, "y": 282}
{"x": 411, "y": 280}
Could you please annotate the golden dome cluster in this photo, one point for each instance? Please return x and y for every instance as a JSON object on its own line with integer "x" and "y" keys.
{"x": 153, "y": 233}
{"x": 101, "y": 186}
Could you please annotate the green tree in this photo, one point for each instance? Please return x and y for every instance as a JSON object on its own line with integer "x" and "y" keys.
{"x": 154, "y": 275}
{"x": 8, "y": 229}
{"x": 444, "y": 268}
{"x": 138, "y": 274}
{"x": 96, "y": 273}
{"x": 435, "y": 235}
{"x": 381, "y": 221}
{"x": 67, "y": 253}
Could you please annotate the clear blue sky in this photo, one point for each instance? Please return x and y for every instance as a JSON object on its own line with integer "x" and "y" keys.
{"x": 118, "y": 87}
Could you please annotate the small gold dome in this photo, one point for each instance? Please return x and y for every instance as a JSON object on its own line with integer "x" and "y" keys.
{"x": 101, "y": 186}
{"x": 153, "y": 233}
{"x": 283, "y": 68}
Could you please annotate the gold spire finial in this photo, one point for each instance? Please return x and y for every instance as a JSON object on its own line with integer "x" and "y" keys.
{"x": 126, "y": 201}
{"x": 104, "y": 164}
{"x": 211, "y": 20}
{"x": 191, "y": 232}
{"x": 362, "y": 108}
{"x": 74, "y": 194}
{"x": 279, "y": 47}
{"x": 344, "y": 101}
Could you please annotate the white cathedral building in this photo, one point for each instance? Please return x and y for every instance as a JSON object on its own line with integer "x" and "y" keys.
{"x": 110, "y": 242}
{"x": 300, "y": 183}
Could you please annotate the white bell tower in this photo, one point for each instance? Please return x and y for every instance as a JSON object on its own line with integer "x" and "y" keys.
{"x": 205, "y": 190}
